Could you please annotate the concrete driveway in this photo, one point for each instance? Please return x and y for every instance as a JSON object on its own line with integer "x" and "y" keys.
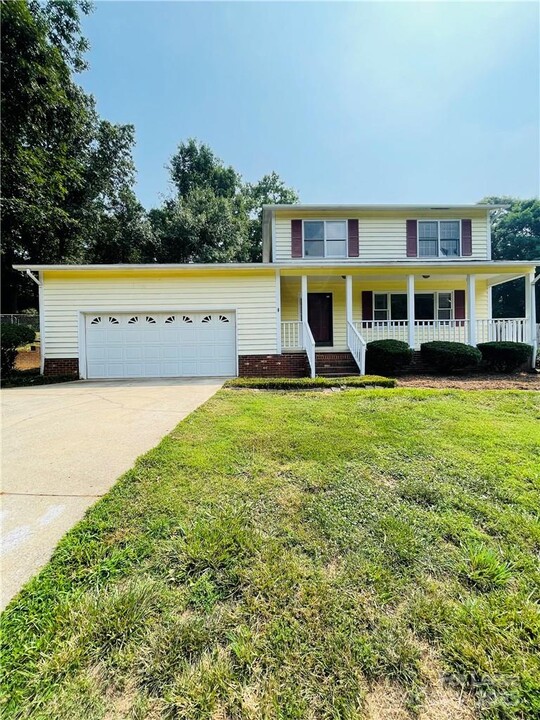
{"x": 64, "y": 446}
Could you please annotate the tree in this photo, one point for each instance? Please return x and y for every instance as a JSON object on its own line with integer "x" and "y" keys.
{"x": 45, "y": 120}
{"x": 214, "y": 216}
{"x": 515, "y": 236}
{"x": 66, "y": 172}
{"x": 270, "y": 190}
{"x": 123, "y": 234}
{"x": 200, "y": 227}
{"x": 194, "y": 165}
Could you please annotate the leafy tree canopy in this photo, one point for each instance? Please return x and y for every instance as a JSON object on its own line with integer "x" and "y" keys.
{"x": 215, "y": 216}
{"x": 64, "y": 169}
{"x": 515, "y": 234}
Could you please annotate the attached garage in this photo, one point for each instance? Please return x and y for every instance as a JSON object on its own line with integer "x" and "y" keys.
{"x": 137, "y": 321}
{"x": 160, "y": 344}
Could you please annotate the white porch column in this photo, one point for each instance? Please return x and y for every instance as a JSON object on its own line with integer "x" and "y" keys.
{"x": 528, "y": 307}
{"x": 303, "y": 297}
{"x": 278, "y": 312}
{"x": 349, "y": 298}
{"x": 410, "y": 309}
{"x": 532, "y": 322}
{"x": 471, "y": 304}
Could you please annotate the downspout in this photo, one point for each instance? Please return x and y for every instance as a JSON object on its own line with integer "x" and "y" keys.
{"x": 39, "y": 282}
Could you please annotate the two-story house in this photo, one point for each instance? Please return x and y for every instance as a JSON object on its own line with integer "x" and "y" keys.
{"x": 332, "y": 279}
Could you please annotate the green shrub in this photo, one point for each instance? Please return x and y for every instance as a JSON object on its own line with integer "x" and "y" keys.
{"x": 388, "y": 356}
{"x": 304, "y": 383}
{"x": 505, "y": 356}
{"x": 12, "y": 337}
{"x": 450, "y": 356}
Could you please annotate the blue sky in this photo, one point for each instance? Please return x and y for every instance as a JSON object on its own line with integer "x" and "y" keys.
{"x": 349, "y": 102}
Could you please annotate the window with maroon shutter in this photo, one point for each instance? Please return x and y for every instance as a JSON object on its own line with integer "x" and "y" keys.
{"x": 412, "y": 238}
{"x": 459, "y": 305}
{"x": 466, "y": 237}
{"x": 367, "y": 305}
{"x": 353, "y": 243}
{"x": 296, "y": 238}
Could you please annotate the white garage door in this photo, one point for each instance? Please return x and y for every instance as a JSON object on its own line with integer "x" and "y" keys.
{"x": 172, "y": 344}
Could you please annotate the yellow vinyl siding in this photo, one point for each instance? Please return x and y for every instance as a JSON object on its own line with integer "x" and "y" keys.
{"x": 382, "y": 237}
{"x": 252, "y": 295}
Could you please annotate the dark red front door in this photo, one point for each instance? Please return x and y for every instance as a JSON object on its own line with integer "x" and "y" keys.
{"x": 320, "y": 318}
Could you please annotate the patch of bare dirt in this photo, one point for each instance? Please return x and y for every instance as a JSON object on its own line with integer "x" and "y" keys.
{"x": 27, "y": 360}
{"x": 517, "y": 381}
{"x": 386, "y": 701}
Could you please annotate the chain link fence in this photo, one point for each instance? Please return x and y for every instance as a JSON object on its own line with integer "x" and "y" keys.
{"x": 21, "y": 319}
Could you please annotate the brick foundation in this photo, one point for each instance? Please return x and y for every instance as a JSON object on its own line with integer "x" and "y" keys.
{"x": 286, "y": 365}
{"x": 61, "y": 366}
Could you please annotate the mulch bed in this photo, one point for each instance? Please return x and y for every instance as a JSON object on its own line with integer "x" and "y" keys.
{"x": 27, "y": 360}
{"x": 516, "y": 381}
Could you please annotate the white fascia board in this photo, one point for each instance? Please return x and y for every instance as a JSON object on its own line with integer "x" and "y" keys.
{"x": 382, "y": 207}
{"x": 149, "y": 266}
{"x": 270, "y": 267}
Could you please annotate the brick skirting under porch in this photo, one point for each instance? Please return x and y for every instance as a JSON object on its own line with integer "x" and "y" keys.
{"x": 61, "y": 366}
{"x": 286, "y": 365}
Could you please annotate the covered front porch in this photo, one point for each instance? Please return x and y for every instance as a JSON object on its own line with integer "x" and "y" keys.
{"x": 324, "y": 312}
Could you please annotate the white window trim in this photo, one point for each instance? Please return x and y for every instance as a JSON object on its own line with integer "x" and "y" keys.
{"x": 436, "y": 307}
{"x": 440, "y": 255}
{"x": 326, "y": 256}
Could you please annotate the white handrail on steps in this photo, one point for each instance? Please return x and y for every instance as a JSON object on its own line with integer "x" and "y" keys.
{"x": 357, "y": 346}
{"x": 309, "y": 344}
{"x": 292, "y": 335}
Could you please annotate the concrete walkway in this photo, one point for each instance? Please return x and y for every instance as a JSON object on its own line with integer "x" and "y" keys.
{"x": 64, "y": 446}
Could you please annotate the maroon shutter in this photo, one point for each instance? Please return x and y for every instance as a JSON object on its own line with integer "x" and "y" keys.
{"x": 296, "y": 238}
{"x": 352, "y": 234}
{"x": 412, "y": 238}
{"x": 459, "y": 304}
{"x": 367, "y": 305}
{"x": 466, "y": 237}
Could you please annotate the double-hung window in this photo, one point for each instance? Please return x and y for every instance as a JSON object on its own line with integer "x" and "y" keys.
{"x": 389, "y": 306}
{"x": 439, "y": 238}
{"x": 427, "y": 306}
{"x": 433, "y": 306}
{"x": 325, "y": 238}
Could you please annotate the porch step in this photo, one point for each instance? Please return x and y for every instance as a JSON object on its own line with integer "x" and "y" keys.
{"x": 334, "y": 364}
{"x": 418, "y": 365}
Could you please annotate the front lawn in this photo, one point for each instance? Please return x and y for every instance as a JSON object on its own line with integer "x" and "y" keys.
{"x": 363, "y": 554}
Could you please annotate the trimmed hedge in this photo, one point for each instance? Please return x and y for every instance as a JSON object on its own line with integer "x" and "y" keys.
{"x": 505, "y": 356}
{"x": 284, "y": 383}
{"x": 388, "y": 356}
{"x": 450, "y": 356}
{"x": 25, "y": 378}
{"x": 11, "y": 338}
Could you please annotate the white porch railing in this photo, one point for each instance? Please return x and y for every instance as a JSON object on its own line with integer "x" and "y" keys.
{"x": 383, "y": 330}
{"x": 357, "y": 346}
{"x": 503, "y": 329}
{"x": 292, "y": 335}
{"x": 449, "y": 330}
{"x": 297, "y": 335}
{"x": 309, "y": 343}
{"x": 512, "y": 329}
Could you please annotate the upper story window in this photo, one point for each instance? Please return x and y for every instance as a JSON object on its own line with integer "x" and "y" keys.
{"x": 325, "y": 238}
{"x": 439, "y": 238}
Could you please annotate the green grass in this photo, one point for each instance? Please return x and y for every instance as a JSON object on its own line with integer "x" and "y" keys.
{"x": 300, "y": 555}
{"x": 305, "y": 383}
